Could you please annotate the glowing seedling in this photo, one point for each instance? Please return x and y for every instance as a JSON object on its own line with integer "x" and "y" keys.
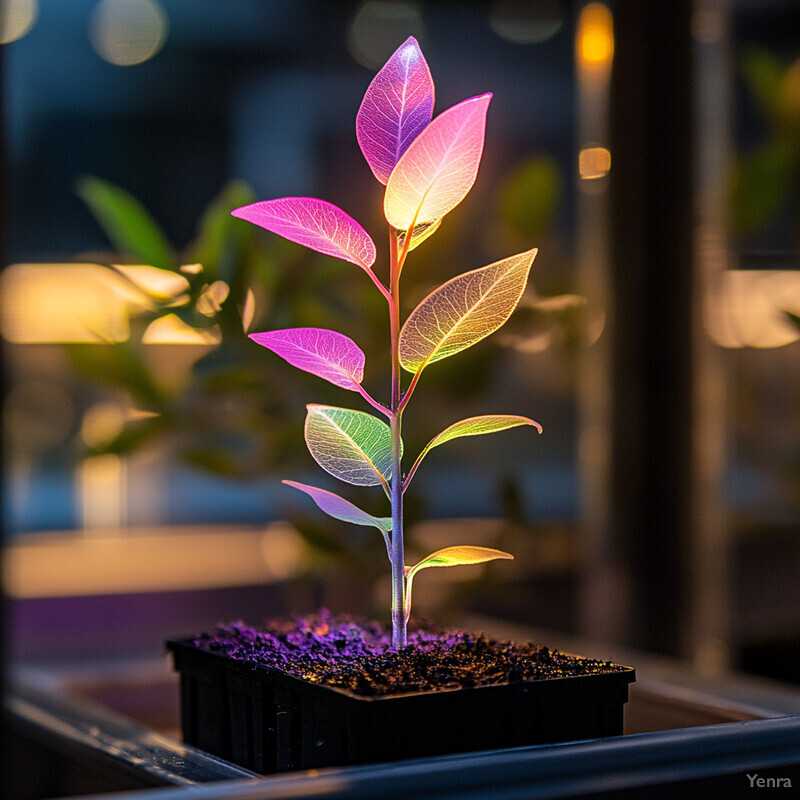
{"x": 427, "y": 165}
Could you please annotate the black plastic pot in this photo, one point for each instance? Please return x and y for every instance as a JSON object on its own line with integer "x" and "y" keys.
{"x": 265, "y": 720}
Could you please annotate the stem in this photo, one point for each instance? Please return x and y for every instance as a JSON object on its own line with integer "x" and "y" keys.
{"x": 374, "y": 403}
{"x": 399, "y": 612}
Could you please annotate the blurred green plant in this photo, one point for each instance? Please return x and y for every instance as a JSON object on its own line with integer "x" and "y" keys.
{"x": 765, "y": 178}
{"x": 228, "y": 414}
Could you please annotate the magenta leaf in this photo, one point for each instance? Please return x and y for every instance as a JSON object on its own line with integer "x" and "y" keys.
{"x": 438, "y": 169}
{"x": 339, "y": 508}
{"x": 396, "y": 107}
{"x": 327, "y": 354}
{"x": 316, "y": 224}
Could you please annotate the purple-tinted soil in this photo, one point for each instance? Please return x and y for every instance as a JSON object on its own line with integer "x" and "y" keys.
{"x": 341, "y": 652}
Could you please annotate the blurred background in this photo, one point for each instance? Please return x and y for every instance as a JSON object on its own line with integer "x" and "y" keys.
{"x": 651, "y": 154}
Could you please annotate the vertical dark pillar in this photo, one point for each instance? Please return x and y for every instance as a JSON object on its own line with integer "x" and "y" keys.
{"x": 651, "y": 201}
{"x": 3, "y": 605}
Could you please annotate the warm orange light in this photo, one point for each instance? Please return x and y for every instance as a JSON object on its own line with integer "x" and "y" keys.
{"x": 595, "y": 36}
{"x": 749, "y": 307}
{"x": 593, "y": 163}
{"x": 62, "y": 303}
{"x": 57, "y": 303}
{"x": 151, "y": 560}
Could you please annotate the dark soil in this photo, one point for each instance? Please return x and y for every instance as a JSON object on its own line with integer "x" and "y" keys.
{"x": 341, "y": 652}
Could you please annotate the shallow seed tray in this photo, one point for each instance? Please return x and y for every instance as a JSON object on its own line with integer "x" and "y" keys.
{"x": 268, "y": 721}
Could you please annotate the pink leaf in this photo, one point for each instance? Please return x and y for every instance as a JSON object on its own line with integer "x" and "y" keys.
{"x": 327, "y": 354}
{"x": 313, "y": 223}
{"x": 439, "y": 167}
{"x": 396, "y": 107}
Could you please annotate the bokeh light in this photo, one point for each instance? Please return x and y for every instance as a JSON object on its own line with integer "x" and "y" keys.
{"x": 17, "y": 17}
{"x": 128, "y": 32}
{"x": 378, "y": 29}
{"x": 524, "y": 22}
{"x": 595, "y": 37}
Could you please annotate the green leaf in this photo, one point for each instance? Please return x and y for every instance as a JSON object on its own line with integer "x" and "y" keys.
{"x": 462, "y": 554}
{"x": 764, "y": 75}
{"x": 463, "y": 311}
{"x": 762, "y": 181}
{"x": 339, "y": 508}
{"x": 128, "y": 226}
{"x": 473, "y": 426}
{"x": 530, "y": 197}
{"x": 351, "y": 445}
{"x": 219, "y": 235}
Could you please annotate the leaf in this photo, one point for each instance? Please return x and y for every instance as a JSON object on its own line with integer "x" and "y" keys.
{"x": 462, "y": 554}
{"x": 327, "y": 354}
{"x": 351, "y": 445}
{"x": 129, "y": 227}
{"x": 339, "y": 508}
{"x": 473, "y": 426}
{"x": 218, "y": 236}
{"x": 396, "y": 107}
{"x": 463, "y": 311}
{"x": 419, "y": 234}
{"x": 438, "y": 169}
{"x": 316, "y": 224}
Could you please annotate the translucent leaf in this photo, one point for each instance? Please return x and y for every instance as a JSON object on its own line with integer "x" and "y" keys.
{"x": 315, "y": 224}
{"x": 419, "y": 234}
{"x": 327, "y": 354}
{"x": 438, "y": 169}
{"x": 458, "y": 555}
{"x": 351, "y": 445}
{"x": 397, "y": 106}
{"x": 339, "y": 508}
{"x": 127, "y": 224}
{"x": 473, "y": 426}
{"x": 463, "y": 311}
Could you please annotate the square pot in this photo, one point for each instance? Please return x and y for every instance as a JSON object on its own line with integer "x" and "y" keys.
{"x": 268, "y": 721}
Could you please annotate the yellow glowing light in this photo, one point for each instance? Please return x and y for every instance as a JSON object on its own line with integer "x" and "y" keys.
{"x": 170, "y": 329}
{"x": 161, "y": 285}
{"x": 595, "y": 36}
{"x": 593, "y": 163}
{"x": 44, "y": 303}
{"x": 17, "y": 18}
{"x": 749, "y": 307}
{"x": 49, "y": 303}
{"x": 151, "y": 560}
{"x": 128, "y": 32}
{"x": 102, "y": 481}
{"x": 102, "y": 423}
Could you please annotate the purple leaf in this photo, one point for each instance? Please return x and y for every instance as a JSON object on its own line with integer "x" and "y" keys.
{"x": 396, "y": 107}
{"x": 316, "y": 224}
{"x": 339, "y": 508}
{"x": 327, "y": 354}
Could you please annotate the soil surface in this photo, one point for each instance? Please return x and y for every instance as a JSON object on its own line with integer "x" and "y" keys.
{"x": 345, "y": 653}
